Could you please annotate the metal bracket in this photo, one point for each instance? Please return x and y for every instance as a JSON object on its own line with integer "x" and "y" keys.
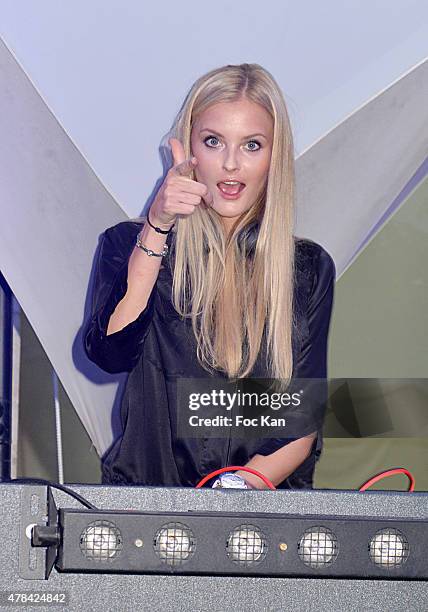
{"x": 37, "y": 507}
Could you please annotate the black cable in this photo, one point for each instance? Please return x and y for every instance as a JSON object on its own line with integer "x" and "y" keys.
{"x": 55, "y": 485}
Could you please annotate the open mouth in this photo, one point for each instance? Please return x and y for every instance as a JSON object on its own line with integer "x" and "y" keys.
{"x": 231, "y": 188}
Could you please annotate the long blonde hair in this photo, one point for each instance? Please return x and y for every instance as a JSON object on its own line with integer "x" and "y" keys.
{"x": 231, "y": 297}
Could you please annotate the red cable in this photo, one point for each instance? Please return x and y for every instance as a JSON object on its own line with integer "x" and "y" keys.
{"x": 269, "y": 484}
{"x": 234, "y": 468}
{"x": 387, "y": 473}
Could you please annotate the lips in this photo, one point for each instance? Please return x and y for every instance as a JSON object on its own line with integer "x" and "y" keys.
{"x": 231, "y": 189}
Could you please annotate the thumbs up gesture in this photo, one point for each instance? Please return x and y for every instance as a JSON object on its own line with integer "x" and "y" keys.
{"x": 179, "y": 194}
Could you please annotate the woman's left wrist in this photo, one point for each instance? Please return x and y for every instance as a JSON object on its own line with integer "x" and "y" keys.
{"x": 251, "y": 484}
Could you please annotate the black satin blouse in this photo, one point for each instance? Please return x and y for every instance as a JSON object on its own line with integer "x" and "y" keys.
{"x": 157, "y": 348}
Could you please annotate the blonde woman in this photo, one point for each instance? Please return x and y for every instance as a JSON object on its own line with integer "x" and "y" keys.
{"x": 212, "y": 282}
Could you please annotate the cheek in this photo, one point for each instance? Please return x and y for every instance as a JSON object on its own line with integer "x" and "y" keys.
{"x": 263, "y": 169}
{"x": 206, "y": 164}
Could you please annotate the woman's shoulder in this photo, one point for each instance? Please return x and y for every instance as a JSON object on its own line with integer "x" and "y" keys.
{"x": 315, "y": 269}
{"x": 312, "y": 255}
{"x": 125, "y": 230}
{"x": 118, "y": 241}
{"x": 120, "y": 238}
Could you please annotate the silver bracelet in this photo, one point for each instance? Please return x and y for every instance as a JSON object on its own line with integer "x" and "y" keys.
{"x": 149, "y": 252}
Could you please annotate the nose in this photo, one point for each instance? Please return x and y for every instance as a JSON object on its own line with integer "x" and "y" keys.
{"x": 230, "y": 161}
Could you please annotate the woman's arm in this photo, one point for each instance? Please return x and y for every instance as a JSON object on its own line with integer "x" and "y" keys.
{"x": 142, "y": 275}
{"x": 121, "y": 310}
{"x": 280, "y": 464}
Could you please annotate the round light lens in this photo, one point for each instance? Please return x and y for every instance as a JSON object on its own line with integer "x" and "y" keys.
{"x": 101, "y": 541}
{"x": 388, "y": 548}
{"x": 318, "y": 547}
{"x": 174, "y": 543}
{"x": 246, "y": 545}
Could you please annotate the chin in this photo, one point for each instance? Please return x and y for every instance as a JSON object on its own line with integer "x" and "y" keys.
{"x": 230, "y": 209}
{"x": 229, "y": 213}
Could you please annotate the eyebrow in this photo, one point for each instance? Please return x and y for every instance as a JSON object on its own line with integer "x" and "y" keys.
{"x": 221, "y": 135}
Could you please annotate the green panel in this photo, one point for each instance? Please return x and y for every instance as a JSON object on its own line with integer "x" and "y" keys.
{"x": 379, "y": 326}
{"x": 379, "y": 329}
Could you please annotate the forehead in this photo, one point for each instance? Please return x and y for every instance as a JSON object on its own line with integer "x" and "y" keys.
{"x": 235, "y": 117}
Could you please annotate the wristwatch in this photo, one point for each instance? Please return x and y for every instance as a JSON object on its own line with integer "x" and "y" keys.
{"x": 228, "y": 480}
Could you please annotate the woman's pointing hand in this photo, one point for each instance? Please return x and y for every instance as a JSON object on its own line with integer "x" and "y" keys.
{"x": 179, "y": 194}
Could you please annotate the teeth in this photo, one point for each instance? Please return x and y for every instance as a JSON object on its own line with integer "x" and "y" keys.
{"x": 231, "y": 182}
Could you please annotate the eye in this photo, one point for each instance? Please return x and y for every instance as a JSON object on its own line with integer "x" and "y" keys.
{"x": 254, "y": 142}
{"x": 210, "y": 138}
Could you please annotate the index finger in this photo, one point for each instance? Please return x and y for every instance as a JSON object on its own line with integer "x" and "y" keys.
{"x": 186, "y": 168}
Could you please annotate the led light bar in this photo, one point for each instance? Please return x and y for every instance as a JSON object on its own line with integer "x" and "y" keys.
{"x": 259, "y": 544}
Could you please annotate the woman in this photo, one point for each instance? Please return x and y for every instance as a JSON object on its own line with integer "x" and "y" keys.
{"x": 237, "y": 295}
